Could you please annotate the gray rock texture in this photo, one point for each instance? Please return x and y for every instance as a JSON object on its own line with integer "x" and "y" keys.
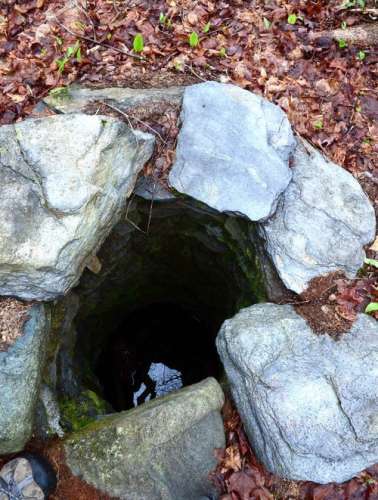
{"x": 309, "y": 403}
{"x": 162, "y": 449}
{"x": 63, "y": 184}
{"x": 321, "y": 224}
{"x": 20, "y": 375}
{"x": 76, "y": 98}
{"x": 233, "y": 150}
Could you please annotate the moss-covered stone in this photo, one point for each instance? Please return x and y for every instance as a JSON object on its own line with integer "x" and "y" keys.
{"x": 162, "y": 449}
{"x": 77, "y": 413}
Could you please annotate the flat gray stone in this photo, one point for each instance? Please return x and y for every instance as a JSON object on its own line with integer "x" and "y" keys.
{"x": 321, "y": 224}
{"x": 64, "y": 181}
{"x": 76, "y": 98}
{"x": 20, "y": 375}
{"x": 233, "y": 150}
{"x": 162, "y": 449}
{"x": 309, "y": 403}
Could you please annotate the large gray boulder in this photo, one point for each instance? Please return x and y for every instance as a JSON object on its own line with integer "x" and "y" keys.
{"x": 63, "y": 183}
{"x": 309, "y": 403}
{"x": 162, "y": 449}
{"x": 233, "y": 150}
{"x": 322, "y": 223}
{"x": 21, "y": 369}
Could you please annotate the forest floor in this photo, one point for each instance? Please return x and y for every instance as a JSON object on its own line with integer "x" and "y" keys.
{"x": 283, "y": 50}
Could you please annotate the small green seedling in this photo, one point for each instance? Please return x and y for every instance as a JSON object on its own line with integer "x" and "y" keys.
{"x": 193, "y": 40}
{"x": 342, "y": 43}
{"x": 267, "y": 23}
{"x": 73, "y": 51}
{"x": 347, "y": 4}
{"x": 164, "y": 20}
{"x": 206, "y": 28}
{"x": 318, "y": 124}
{"x": 138, "y": 43}
{"x": 222, "y": 52}
{"x": 343, "y": 25}
{"x": 292, "y": 19}
{"x": 372, "y": 307}
{"x": 361, "y": 55}
{"x": 371, "y": 262}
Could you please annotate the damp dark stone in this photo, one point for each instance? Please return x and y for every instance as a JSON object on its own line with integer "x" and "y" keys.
{"x": 171, "y": 273}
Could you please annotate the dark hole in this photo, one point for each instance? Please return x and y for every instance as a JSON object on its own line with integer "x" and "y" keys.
{"x": 157, "y": 349}
{"x": 156, "y": 306}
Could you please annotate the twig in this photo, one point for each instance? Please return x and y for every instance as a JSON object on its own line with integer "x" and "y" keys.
{"x": 151, "y": 206}
{"x": 80, "y": 7}
{"x": 97, "y": 42}
{"x": 127, "y": 215}
{"x": 194, "y": 73}
{"x": 128, "y": 117}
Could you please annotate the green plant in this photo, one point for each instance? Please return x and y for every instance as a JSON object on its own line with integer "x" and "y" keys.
{"x": 267, "y": 23}
{"x": 193, "y": 39}
{"x": 318, "y": 124}
{"x": 372, "y": 307}
{"x": 361, "y": 55}
{"x": 73, "y": 51}
{"x": 348, "y": 4}
{"x": 138, "y": 43}
{"x": 222, "y": 52}
{"x": 164, "y": 20}
{"x": 371, "y": 262}
{"x": 292, "y": 19}
{"x": 206, "y": 28}
{"x": 343, "y": 25}
{"x": 342, "y": 43}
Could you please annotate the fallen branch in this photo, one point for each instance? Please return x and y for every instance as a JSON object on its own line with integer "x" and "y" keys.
{"x": 365, "y": 34}
{"x": 97, "y": 42}
{"x": 128, "y": 117}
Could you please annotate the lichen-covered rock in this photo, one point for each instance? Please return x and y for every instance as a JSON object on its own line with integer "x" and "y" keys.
{"x": 63, "y": 183}
{"x": 309, "y": 403}
{"x": 322, "y": 222}
{"x": 233, "y": 150}
{"x": 76, "y": 98}
{"x": 162, "y": 449}
{"x": 20, "y": 375}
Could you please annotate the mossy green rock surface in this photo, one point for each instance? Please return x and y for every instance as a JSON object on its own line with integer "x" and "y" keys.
{"x": 163, "y": 449}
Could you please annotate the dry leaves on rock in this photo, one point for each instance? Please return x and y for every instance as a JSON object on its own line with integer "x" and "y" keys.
{"x": 13, "y": 314}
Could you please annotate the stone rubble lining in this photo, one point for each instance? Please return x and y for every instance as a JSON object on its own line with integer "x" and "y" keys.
{"x": 63, "y": 183}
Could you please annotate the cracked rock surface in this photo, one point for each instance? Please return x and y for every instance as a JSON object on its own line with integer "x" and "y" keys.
{"x": 322, "y": 223}
{"x": 309, "y": 403}
{"x": 63, "y": 183}
{"x": 233, "y": 150}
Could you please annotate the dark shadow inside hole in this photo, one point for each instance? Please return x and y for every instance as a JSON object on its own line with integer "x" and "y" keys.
{"x": 157, "y": 349}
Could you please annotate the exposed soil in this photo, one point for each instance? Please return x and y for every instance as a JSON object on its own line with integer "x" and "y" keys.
{"x": 318, "y": 306}
{"x": 13, "y": 314}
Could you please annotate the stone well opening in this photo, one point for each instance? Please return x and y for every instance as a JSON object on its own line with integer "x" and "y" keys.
{"x": 147, "y": 321}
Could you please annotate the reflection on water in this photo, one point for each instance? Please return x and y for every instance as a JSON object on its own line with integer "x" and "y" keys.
{"x": 165, "y": 379}
{"x": 156, "y": 350}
